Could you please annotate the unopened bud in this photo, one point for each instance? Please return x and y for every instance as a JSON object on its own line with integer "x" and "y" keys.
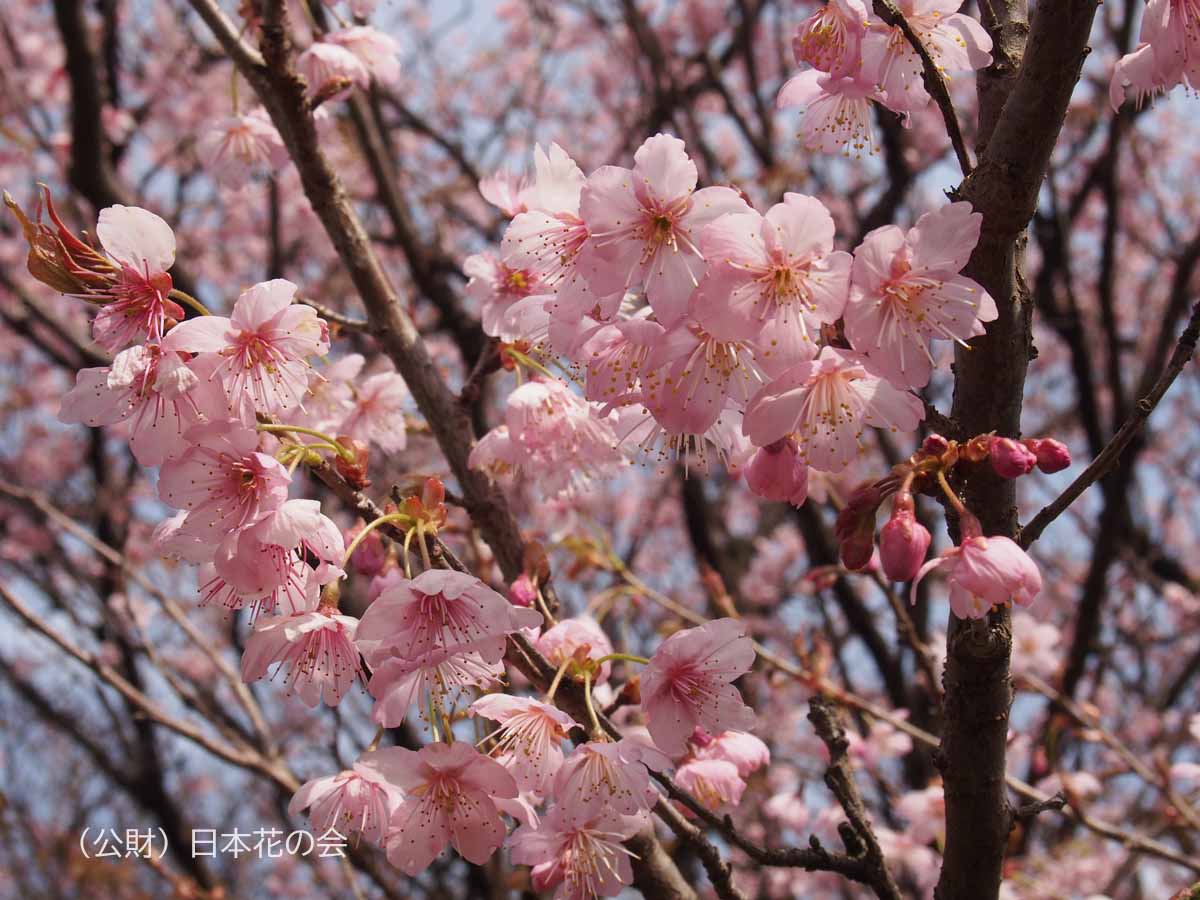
{"x": 353, "y": 469}
{"x": 776, "y": 472}
{"x": 903, "y": 541}
{"x": 1052, "y": 456}
{"x": 1010, "y": 459}
{"x": 855, "y": 528}
{"x": 522, "y": 591}
{"x": 935, "y": 445}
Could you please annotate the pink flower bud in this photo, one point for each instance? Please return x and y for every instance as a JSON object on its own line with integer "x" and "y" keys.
{"x": 935, "y": 445}
{"x": 777, "y": 473}
{"x": 903, "y": 541}
{"x": 1052, "y": 456}
{"x": 1009, "y": 458}
{"x": 522, "y": 592}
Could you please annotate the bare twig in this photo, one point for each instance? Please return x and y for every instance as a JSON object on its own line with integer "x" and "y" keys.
{"x": 1185, "y": 349}
{"x": 931, "y": 74}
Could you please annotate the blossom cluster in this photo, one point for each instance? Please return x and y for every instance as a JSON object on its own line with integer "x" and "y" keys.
{"x": 693, "y": 320}
{"x": 856, "y": 58}
{"x": 223, "y": 405}
{"x": 1167, "y": 55}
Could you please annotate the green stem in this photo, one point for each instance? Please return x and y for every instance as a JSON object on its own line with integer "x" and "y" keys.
{"x": 188, "y": 300}
{"x": 312, "y": 432}
{"x": 558, "y": 677}
{"x": 627, "y": 657}
{"x": 587, "y": 699}
{"x": 949, "y": 492}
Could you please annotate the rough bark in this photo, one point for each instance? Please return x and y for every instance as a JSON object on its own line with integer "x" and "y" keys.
{"x": 1023, "y": 101}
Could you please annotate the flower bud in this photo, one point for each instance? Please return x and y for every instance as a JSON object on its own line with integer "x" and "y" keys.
{"x": 1052, "y": 456}
{"x": 371, "y": 556}
{"x": 777, "y": 472}
{"x": 903, "y": 541}
{"x": 1009, "y": 458}
{"x": 354, "y": 471}
{"x": 935, "y": 445}
{"x": 855, "y": 528}
{"x": 522, "y": 592}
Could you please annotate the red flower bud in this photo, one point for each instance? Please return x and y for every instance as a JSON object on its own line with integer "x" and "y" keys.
{"x": 903, "y": 541}
{"x": 935, "y": 445}
{"x": 1052, "y": 456}
{"x": 354, "y": 471}
{"x": 855, "y": 528}
{"x": 777, "y": 473}
{"x": 1009, "y": 458}
{"x": 522, "y": 592}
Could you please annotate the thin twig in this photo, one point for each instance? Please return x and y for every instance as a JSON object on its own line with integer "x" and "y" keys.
{"x": 1185, "y": 349}
{"x": 931, "y": 74}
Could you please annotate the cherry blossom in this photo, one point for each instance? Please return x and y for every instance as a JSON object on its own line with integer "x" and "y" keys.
{"x": 645, "y": 223}
{"x": 837, "y": 111}
{"x": 825, "y": 404}
{"x": 714, "y": 782}
{"x": 985, "y": 572}
{"x": 357, "y": 801}
{"x": 327, "y": 66}
{"x": 449, "y": 799}
{"x": 222, "y": 480}
{"x": 377, "y": 414}
{"x": 315, "y": 648}
{"x": 906, "y": 291}
{"x": 264, "y": 345}
{"x": 156, "y": 393}
{"x": 774, "y": 269}
{"x": 142, "y": 246}
{"x": 569, "y": 638}
{"x": 746, "y": 752}
{"x": 376, "y": 50}
{"x": 1168, "y": 52}
{"x": 440, "y": 610}
{"x": 529, "y": 737}
{"x": 398, "y": 683}
{"x": 237, "y": 147}
{"x": 600, "y": 775}
{"x": 831, "y": 38}
{"x": 582, "y": 859}
{"x": 956, "y": 43}
{"x": 687, "y": 683}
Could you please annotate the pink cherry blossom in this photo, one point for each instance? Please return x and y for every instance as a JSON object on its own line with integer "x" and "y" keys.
{"x": 601, "y": 775}
{"x": 826, "y": 404}
{"x": 274, "y": 559}
{"x": 223, "y": 482}
{"x": 1036, "y": 646}
{"x": 582, "y": 859}
{"x": 156, "y": 393}
{"x": 776, "y": 472}
{"x": 570, "y": 636}
{"x": 645, "y": 223}
{"x": 142, "y": 247}
{"x": 1052, "y": 456}
{"x": 715, "y": 783}
{"x": 378, "y": 51}
{"x": 449, "y": 791}
{"x": 837, "y": 111}
{"x": 1009, "y": 458}
{"x": 529, "y": 738}
{"x": 497, "y": 287}
{"x": 745, "y": 751}
{"x": 237, "y": 147}
{"x": 264, "y": 345}
{"x": 1168, "y": 52}
{"x": 315, "y": 648}
{"x": 956, "y": 42}
{"x": 688, "y": 683}
{"x": 615, "y": 356}
{"x": 692, "y": 376}
{"x": 398, "y": 682}
{"x": 357, "y": 801}
{"x": 831, "y": 38}
{"x": 505, "y": 191}
{"x": 906, "y": 291}
{"x": 440, "y": 609}
{"x": 377, "y": 414}
{"x": 778, "y": 268}
{"x": 985, "y": 572}
{"x": 325, "y": 64}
